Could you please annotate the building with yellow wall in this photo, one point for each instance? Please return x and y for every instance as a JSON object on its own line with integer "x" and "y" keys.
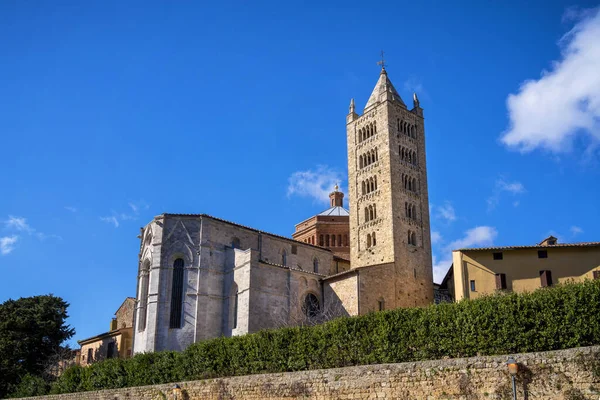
{"x": 481, "y": 271}
{"x": 116, "y": 343}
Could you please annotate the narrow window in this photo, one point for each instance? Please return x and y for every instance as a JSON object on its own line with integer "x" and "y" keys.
{"x": 596, "y": 275}
{"x": 381, "y": 304}
{"x": 326, "y": 240}
{"x": 472, "y": 286}
{"x": 374, "y": 239}
{"x": 545, "y": 278}
{"x": 497, "y": 256}
{"x": 110, "y": 351}
{"x": 500, "y": 281}
{"x": 311, "y": 306}
{"x": 339, "y": 240}
{"x": 294, "y": 249}
{"x": 284, "y": 258}
{"x": 346, "y": 240}
{"x": 315, "y": 265}
{"x": 415, "y": 273}
{"x": 143, "y": 297}
{"x": 363, "y": 188}
{"x": 332, "y": 240}
{"x": 542, "y": 254}
{"x": 176, "y": 294}
{"x": 90, "y": 356}
{"x": 235, "y": 310}
{"x": 235, "y": 243}
{"x": 321, "y": 242}
{"x": 368, "y": 240}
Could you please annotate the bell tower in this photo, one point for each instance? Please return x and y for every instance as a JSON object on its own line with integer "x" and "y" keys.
{"x": 389, "y": 206}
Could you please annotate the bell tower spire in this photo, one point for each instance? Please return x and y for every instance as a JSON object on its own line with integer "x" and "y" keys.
{"x": 389, "y": 207}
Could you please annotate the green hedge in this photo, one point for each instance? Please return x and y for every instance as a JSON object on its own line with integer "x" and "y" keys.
{"x": 561, "y": 317}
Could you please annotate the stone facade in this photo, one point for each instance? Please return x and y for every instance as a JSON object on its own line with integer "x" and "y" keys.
{"x": 559, "y": 375}
{"x": 235, "y": 280}
{"x": 389, "y": 218}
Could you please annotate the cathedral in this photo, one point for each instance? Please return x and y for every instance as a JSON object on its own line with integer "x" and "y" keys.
{"x": 202, "y": 277}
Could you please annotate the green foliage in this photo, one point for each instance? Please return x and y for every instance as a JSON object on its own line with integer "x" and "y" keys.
{"x": 555, "y": 318}
{"x": 31, "y": 385}
{"x": 32, "y": 330}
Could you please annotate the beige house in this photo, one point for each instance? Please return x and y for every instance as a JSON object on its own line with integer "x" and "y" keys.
{"x": 117, "y": 342}
{"x": 477, "y": 272}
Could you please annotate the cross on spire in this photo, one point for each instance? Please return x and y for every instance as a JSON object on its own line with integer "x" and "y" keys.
{"x": 382, "y": 62}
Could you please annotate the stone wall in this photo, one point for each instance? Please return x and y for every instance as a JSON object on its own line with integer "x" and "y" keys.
{"x": 568, "y": 374}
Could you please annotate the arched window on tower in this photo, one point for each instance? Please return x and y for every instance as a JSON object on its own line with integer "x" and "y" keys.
{"x": 360, "y": 161}
{"x": 321, "y": 241}
{"x": 374, "y": 211}
{"x": 368, "y": 240}
{"x": 371, "y": 213}
{"x": 375, "y": 182}
{"x": 339, "y": 240}
{"x": 332, "y": 240}
{"x": 363, "y": 187}
{"x": 414, "y": 184}
{"x": 176, "y": 294}
{"x": 326, "y": 240}
{"x": 143, "y": 295}
{"x": 366, "y": 214}
{"x": 373, "y": 239}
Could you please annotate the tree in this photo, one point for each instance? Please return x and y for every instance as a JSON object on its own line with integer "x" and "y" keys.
{"x": 32, "y": 330}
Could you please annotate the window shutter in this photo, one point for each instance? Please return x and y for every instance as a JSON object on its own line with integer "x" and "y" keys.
{"x": 596, "y": 275}
{"x": 546, "y": 278}
{"x": 500, "y": 281}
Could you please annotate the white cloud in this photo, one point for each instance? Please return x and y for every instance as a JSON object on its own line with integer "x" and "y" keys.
{"x": 575, "y": 230}
{"x": 18, "y": 223}
{"x": 72, "y": 209}
{"x": 478, "y": 236}
{"x": 446, "y": 212}
{"x": 316, "y": 183}
{"x": 112, "y": 220}
{"x": 440, "y": 267}
{"x": 514, "y": 188}
{"x": 7, "y": 244}
{"x": 550, "y": 112}
{"x": 436, "y": 237}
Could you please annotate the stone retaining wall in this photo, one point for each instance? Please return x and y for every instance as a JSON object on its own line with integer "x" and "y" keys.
{"x": 572, "y": 374}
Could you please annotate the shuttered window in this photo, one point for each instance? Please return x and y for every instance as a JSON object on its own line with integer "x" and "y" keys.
{"x": 596, "y": 275}
{"x": 176, "y": 295}
{"x": 500, "y": 281}
{"x": 545, "y": 278}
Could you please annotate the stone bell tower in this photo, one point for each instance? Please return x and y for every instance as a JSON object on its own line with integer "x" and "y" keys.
{"x": 389, "y": 207}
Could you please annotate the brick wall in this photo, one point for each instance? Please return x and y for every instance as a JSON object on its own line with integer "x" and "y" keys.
{"x": 567, "y": 374}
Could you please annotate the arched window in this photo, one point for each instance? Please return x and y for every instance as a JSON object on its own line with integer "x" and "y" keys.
{"x": 346, "y": 240}
{"x": 369, "y": 158}
{"x": 363, "y": 187}
{"x": 311, "y": 305}
{"x": 339, "y": 240}
{"x": 143, "y": 295}
{"x": 360, "y": 162}
{"x": 371, "y": 213}
{"x": 368, "y": 240}
{"x": 284, "y": 258}
{"x": 373, "y": 239}
{"x": 398, "y": 122}
{"x": 372, "y": 184}
{"x": 316, "y": 265}
{"x": 414, "y": 184}
{"x": 409, "y": 241}
{"x": 366, "y": 214}
{"x": 176, "y": 294}
{"x": 321, "y": 241}
{"x": 410, "y": 185}
{"x": 235, "y": 243}
{"x": 374, "y": 211}
{"x": 414, "y": 239}
{"x": 332, "y": 240}
{"x": 326, "y": 240}
{"x": 375, "y": 182}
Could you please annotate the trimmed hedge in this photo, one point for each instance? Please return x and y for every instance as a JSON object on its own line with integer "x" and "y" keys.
{"x": 555, "y": 318}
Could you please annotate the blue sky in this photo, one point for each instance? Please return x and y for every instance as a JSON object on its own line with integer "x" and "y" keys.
{"x": 114, "y": 112}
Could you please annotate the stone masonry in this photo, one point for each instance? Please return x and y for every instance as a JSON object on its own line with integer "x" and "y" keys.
{"x": 572, "y": 374}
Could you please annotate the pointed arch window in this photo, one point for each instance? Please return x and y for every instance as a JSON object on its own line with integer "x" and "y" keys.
{"x": 176, "y": 294}
{"x": 311, "y": 306}
{"x": 143, "y": 295}
{"x": 284, "y": 258}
